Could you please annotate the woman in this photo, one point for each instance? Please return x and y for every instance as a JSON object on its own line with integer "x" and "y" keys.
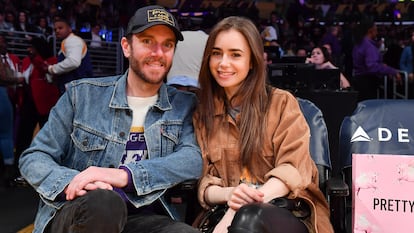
{"x": 254, "y": 140}
{"x": 321, "y": 58}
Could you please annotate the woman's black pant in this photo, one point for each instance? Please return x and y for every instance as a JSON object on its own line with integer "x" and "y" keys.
{"x": 265, "y": 218}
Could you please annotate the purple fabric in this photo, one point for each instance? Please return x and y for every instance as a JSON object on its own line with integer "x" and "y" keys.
{"x": 130, "y": 186}
{"x": 368, "y": 60}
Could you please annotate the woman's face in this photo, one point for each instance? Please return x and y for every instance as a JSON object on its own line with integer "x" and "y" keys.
{"x": 230, "y": 60}
{"x": 317, "y": 56}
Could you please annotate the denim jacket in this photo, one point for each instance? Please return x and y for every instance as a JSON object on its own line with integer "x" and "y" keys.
{"x": 89, "y": 126}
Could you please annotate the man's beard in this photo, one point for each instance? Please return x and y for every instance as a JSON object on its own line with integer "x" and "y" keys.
{"x": 136, "y": 67}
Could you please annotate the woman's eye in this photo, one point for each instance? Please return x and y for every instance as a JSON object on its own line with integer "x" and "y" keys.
{"x": 215, "y": 53}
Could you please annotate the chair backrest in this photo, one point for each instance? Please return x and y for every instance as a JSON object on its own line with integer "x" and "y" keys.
{"x": 378, "y": 126}
{"x": 319, "y": 142}
{"x": 375, "y": 144}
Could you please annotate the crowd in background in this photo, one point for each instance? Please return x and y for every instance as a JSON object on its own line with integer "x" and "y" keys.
{"x": 293, "y": 28}
{"x": 297, "y": 25}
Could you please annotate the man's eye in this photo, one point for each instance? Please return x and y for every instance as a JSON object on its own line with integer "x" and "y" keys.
{"x": 169, "y": 45}
{"x": 146, "y": 41}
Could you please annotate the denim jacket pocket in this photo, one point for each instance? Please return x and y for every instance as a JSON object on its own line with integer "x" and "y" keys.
{"x": 170, "y": 137}
{"x": 88, "y": 141}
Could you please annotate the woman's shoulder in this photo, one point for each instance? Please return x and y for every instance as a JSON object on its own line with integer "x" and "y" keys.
{"x": 278, "y": 93}
{"x": 282, "y": 98}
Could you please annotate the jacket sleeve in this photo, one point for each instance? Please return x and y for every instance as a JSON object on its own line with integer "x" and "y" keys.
{"x": 42, "y": 163}
{"x": 293, "y": 163}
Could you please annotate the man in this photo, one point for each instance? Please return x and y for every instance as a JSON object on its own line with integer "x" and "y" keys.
{"x": 368, "y": 67}
{"x": 112, "y": 146}
{"x": 73, "y": 59}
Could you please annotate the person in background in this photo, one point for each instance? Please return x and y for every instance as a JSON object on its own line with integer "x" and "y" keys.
{"x": 9, "y": 168}
{"x": 187, "y": 61}
{"x": 254, "y": 140}
{"x": 40, "y": 95}
{"x": 321, "y": 58}
{"x": 112, "y": 146}
{"x": 407, "y": 58}
{"x": 23, "y": 25}
{"x": 368, "y": 68}
{"x": 73, "y": 58}
{"x": 96, "y": 40}
{"x": 43, "y": 28}
{"x": 301, "y": 52}
{"x": 268, "y": 32}
{"x": 331, "y": 39}
{"x": 3, "y": 24}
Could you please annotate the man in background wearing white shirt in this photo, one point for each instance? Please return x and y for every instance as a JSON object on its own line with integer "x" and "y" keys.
{"x": 73, "y": 59}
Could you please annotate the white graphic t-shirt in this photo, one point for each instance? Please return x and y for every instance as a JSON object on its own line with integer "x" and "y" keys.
{"x": 136, "y": 148}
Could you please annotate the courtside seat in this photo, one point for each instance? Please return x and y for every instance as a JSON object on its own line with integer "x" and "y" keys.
{"x": 377, "y": 129}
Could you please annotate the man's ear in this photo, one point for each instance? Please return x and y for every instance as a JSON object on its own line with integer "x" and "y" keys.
{"x": 125, "y": 47}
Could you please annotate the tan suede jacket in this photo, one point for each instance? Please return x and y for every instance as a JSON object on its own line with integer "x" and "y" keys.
{"x": 286, "y": 156}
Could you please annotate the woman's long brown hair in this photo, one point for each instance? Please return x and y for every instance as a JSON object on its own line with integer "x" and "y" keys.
{"x": 253, "y": 94}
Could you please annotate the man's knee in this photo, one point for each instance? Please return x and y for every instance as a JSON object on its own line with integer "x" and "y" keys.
{"x": 105, "y": 202}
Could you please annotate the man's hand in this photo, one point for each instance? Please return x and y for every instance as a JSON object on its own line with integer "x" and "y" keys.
{"x": 93, "y": 178}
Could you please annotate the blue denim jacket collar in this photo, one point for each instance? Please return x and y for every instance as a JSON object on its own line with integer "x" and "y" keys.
{"x": 119, "y": 96}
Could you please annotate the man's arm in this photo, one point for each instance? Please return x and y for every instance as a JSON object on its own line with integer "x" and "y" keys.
{"x": 73, "y": 50}
{"x": 42, "y": 163}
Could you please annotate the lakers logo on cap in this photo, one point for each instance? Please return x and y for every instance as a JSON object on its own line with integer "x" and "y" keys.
{"x": 160, "y": 15}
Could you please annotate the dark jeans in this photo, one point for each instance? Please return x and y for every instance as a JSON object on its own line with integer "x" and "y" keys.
{"x": 265, "y": 217}
{"x": 104, "y": 211}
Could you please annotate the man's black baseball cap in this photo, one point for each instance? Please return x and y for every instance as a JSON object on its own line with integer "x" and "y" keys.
{"x": 149, "y": 16}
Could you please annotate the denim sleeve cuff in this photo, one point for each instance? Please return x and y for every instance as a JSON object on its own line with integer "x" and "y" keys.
{"x": 129, "y": 188}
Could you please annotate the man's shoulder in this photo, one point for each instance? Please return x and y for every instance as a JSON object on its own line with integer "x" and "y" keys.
{"x": 73, "y": 38}
{"x": 97, "y": 81}
{"x": 180, "y": 96}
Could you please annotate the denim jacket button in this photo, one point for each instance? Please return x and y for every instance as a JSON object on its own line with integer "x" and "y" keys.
{"x": 128, "y": 112}
{"x": 85, "y": 142}
{"x": 122, "y": 134}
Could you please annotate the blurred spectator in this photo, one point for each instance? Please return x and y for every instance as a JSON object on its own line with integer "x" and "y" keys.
{"x": 96, "y": 40}
{"x": 322, "y": 59}
{"x": 275, "y": 22}
{"x": 40, "y": 95}
{"x": 43, "y": 27}
{"x": 407, "y": 58}
{"x": 3, "y": 24}
{"x": 301, "y": 52}
{"x": 10, "y": 19}
{"x": 7, "y": 71}
{"x": 331, "y": 38}
{"x": 369, "y": 70}
{"x": 268, "y": 32}
{"x": 23, "y": 25}
{"x": 73, "y": 58}
{"x": 187, "y": 61}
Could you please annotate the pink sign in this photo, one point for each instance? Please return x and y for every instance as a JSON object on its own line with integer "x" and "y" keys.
{"x": 383, "y": 193}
